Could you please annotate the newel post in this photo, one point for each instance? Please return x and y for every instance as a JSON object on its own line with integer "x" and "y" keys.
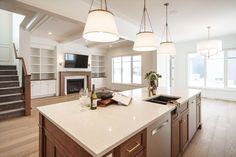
{"x": 27, "y": 95}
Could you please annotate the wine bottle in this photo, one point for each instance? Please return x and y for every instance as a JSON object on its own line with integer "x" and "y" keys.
{"x": 93, "y": 98}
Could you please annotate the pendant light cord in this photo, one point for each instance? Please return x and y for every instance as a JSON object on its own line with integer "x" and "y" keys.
{"x": 208, "y": 29}
{"x": 144, "y": 11}
{"x": 143, "y": 25}
{"x": 101, "y": 4}
{"x": 166, "y": 4}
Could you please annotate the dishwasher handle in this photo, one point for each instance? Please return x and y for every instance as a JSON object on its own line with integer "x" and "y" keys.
{"x": 154, "y": 131}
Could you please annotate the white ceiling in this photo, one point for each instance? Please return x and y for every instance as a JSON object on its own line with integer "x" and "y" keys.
{"x": 188, "y": 18}
{"x": 61, "y": 29}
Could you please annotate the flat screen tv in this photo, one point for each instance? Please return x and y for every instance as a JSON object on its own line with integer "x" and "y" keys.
{"x": 76, "y": 61}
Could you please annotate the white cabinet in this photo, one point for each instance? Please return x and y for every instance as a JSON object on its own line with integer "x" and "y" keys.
{"x": 99, "y": 82}
{"x": 42, "y": 62}
{"x": 98, "y": 66}
{"x": 43, "y": 88}
{"x": 192, "y": 117}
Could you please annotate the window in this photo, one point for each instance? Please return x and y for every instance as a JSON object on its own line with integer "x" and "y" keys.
{"x": 231, "y": 74}
{"x": 116, "y": 66}
{"x": 127, "y": 69}
{"x": 215, "y": 72}
{"x": 137, "y": 65}
{"x": 165, "y": 67}
{"x": 196, "y": 70}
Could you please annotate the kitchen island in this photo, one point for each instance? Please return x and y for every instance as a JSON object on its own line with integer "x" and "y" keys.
{"x": 71, "y": 129}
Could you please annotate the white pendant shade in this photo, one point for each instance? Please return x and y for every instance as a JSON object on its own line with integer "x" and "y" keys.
{"x": 167, "y": 48}
{"x": 100, "y": 27}
{"x": 145, "y": 41}
{"x": 209, "y": 47}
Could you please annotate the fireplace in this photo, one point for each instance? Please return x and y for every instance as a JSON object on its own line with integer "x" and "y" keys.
{"x": 74, "y": 85}
{"x": 73, "y": 81}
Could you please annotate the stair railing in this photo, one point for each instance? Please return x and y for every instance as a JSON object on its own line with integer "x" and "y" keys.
{"x": 25, "y": 81}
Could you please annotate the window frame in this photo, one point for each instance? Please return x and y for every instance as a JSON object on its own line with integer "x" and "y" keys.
{"x": 135, "y": 84}
{"x": 225, "y": 88}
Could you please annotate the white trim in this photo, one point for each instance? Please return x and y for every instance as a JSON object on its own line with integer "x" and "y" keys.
{"x": 75, "y": 77}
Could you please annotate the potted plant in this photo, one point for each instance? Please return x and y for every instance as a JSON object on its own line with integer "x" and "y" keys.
{"x": 152, "y": 78}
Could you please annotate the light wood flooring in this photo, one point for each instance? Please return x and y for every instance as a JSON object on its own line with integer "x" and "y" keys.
{"x": 19, "y": 136}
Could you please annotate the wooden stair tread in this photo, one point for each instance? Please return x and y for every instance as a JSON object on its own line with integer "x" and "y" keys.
{"x": 12, "y": 102}
{"x": 8, "y": 81}
{"x": 7, "y": 65}
{"x": 15, "y": 94}
{"x": 8, "y": 75}
{"x": 6, "y": 88}
{"x": 12, "y": 110}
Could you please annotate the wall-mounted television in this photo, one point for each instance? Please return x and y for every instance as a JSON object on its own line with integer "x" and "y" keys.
{"x": 76, "y": 61}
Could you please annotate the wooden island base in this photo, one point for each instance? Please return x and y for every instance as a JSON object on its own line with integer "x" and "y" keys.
{"x": 55, "y": 143}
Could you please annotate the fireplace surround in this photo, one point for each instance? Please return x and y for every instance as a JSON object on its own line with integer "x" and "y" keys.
{"x": 73, "y": 75}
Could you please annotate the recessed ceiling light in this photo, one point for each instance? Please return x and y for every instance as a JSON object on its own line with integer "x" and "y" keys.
{"x": 49, "y": 33}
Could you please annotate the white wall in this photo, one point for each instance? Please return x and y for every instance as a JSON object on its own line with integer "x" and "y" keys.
{"x": 6, "y": 55}
{"x": 16, "y": 21}
{"x": 75, "y": 48}
{"x": 61, "y": 49}
{"x": 181, "y": 67}
{"x": 148, "y": 63}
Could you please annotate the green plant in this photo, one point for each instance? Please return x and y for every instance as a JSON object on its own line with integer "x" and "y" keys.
{"x": 152, "y": 76}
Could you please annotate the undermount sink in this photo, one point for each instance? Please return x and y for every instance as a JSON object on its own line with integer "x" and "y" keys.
{"x": 163, "y": 99}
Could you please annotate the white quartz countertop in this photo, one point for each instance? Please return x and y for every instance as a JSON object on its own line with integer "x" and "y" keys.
{"x": 99, "y": 131}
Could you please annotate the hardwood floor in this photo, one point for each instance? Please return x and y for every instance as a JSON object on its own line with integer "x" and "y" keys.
{"x": 19, "y": 136}
{"x": 217, "y": 138}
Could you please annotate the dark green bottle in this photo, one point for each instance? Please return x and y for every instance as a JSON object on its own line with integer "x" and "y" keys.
{"x": 93, "y": 99}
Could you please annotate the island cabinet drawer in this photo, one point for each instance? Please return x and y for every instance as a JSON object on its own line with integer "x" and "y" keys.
{"x": 183, "y": 107}
{"x": 134, "y": 147}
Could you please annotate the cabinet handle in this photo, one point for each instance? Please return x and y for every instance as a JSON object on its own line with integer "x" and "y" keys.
{"x": 132, "y": 149}
{"x": 161, "y": 126}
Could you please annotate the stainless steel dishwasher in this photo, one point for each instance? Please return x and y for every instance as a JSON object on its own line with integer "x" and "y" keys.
{"x": 159, "y": 138}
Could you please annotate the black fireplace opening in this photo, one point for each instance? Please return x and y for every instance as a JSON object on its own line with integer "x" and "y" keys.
{"x": 74, "y": 85}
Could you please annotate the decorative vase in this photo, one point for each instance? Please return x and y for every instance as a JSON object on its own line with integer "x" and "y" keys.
{"x": 154, "y": 87}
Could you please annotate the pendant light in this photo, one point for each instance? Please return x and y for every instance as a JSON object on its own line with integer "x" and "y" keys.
{"x": 209, "y": 47}
{"x": 145, "y": 39}
{"x": 100, "y": 25}
{"x": 167, "y": 46}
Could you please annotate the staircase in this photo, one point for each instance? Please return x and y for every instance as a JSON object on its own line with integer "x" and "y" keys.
{"x": 11, "y": 94}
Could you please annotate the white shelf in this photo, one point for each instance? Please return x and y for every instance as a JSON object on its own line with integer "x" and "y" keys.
{"x": 34, "y": 56}
{"x": 43, "y": 64}
{"x": 51, "y": 57}
{"x": 98, "y": 66}
{"x": 47, "y": 72}
{"x": 47, "y": 64}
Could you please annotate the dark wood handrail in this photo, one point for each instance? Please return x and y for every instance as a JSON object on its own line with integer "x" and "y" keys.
{"x": 20, "y": 58}
{"x": 26, "y": 83}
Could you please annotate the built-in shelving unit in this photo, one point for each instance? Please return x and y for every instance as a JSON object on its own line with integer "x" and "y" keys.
{"x": 43, "y": 63}
{"x": 98, "y": 66}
